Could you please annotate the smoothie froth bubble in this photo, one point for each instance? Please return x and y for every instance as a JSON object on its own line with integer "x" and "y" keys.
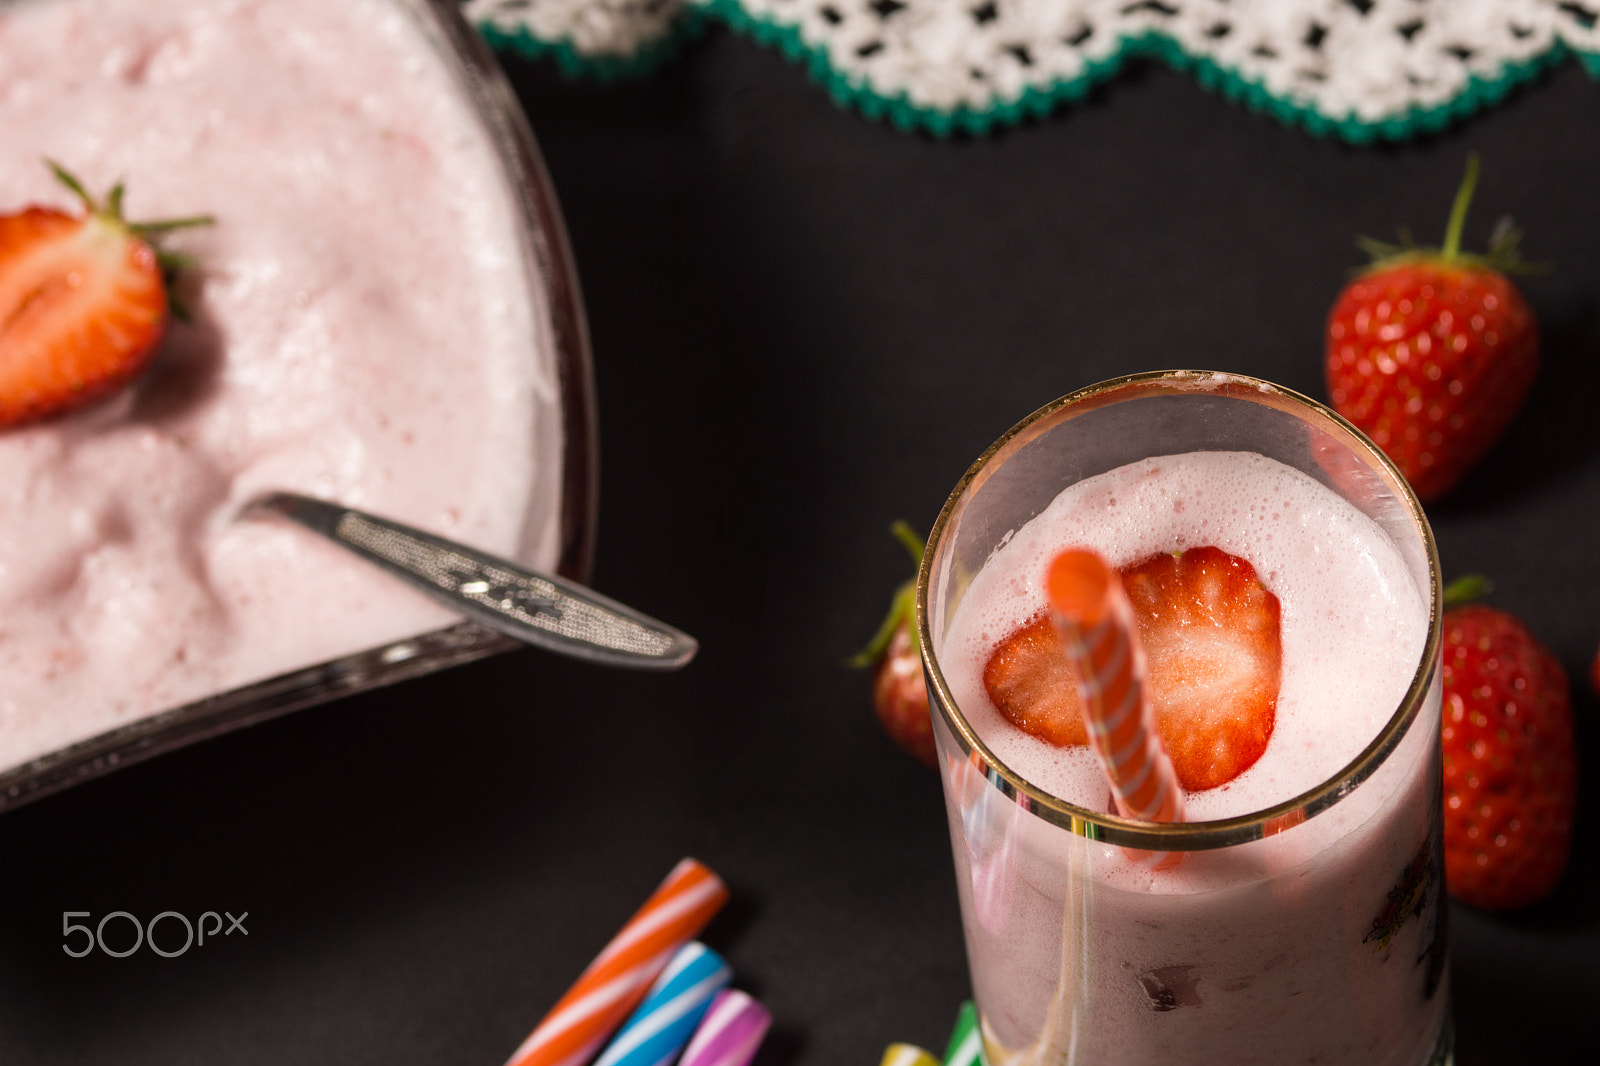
{"x": 1310, "y": 936}
{"x": 364, "y": 328}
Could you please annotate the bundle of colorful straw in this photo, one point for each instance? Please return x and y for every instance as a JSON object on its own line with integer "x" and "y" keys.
{"x": 674, "y": 987}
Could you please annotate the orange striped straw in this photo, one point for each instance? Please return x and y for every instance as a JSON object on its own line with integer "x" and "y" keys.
{"x": 617, "y": 980}
{"x": 1096, "y": 622}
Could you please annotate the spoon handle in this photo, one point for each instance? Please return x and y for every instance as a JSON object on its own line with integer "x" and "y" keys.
{"x": 541, "y": 609}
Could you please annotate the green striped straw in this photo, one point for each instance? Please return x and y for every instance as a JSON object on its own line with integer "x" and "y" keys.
{"x": 966, "y": 1043}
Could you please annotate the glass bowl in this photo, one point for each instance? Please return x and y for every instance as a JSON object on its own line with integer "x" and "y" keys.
{"x": 556, "y": 306}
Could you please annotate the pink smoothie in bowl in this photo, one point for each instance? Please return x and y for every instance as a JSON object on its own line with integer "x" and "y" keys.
{"x": 381, "y": 314}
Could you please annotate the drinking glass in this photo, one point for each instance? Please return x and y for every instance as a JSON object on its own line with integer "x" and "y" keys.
{"x": 1311, "y": 931}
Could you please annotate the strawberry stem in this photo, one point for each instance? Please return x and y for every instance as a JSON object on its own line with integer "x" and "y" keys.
{"x": 166, "y": 225}
{"x": 901, "y": 609}
{"x": 1466, "y": 588}
{"x": 113, "y": 206}
{"x": 1503, "y": 254}
{"x": 65, "y": 177}
{"x": 1458, "y": 210}
{"x": 908, "y": 536}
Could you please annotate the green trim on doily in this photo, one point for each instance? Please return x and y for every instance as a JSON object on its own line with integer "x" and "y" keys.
{"x": 853, "y": 91}
{"x": 575, "y": 64}
{"x": 1480, "y": 93}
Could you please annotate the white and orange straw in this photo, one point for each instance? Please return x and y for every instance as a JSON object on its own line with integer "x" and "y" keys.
{"x": 1095, "y": 620}
{"x": 617, "y": 980}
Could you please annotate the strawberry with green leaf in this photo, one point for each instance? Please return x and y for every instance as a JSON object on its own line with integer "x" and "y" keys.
{"x": 899, "y": 690}
{"x": 83, "y": 302}
{"x": 1431, "y": 351}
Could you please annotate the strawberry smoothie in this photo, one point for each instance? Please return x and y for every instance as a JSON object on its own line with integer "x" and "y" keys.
{"x": 1319, "y": 942}
{"x": 363, "y": 326}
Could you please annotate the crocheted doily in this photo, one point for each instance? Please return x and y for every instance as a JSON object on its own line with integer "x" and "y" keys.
{"x": 1359, "y": 69}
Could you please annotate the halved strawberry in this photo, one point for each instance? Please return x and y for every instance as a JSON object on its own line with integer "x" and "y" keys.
{"x": 83, "y": 303}
{"x": 1214, "y": 660}
{"x": 1213, "y": 653}
{"x": 1032, "y": 681}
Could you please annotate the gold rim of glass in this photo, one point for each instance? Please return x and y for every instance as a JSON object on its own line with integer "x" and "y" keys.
{"x": 1177, "y": 836}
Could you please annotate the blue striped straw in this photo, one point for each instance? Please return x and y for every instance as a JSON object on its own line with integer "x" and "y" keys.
{"x": 671, "y": 1010}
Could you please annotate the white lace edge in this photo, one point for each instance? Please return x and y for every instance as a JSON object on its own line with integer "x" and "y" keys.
{"x": 1360, "y": 65}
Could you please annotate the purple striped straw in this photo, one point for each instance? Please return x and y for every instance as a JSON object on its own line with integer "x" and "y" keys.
{"x": 730, "y": 1032}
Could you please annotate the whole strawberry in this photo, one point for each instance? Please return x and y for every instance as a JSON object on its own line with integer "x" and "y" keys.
{"x": 1431, "y": 352}
{"x": 899, "y": 692}
{"x": 1510, "y": 769}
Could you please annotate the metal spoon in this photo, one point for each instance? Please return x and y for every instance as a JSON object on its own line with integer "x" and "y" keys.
{"x": 542, "y": 609}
